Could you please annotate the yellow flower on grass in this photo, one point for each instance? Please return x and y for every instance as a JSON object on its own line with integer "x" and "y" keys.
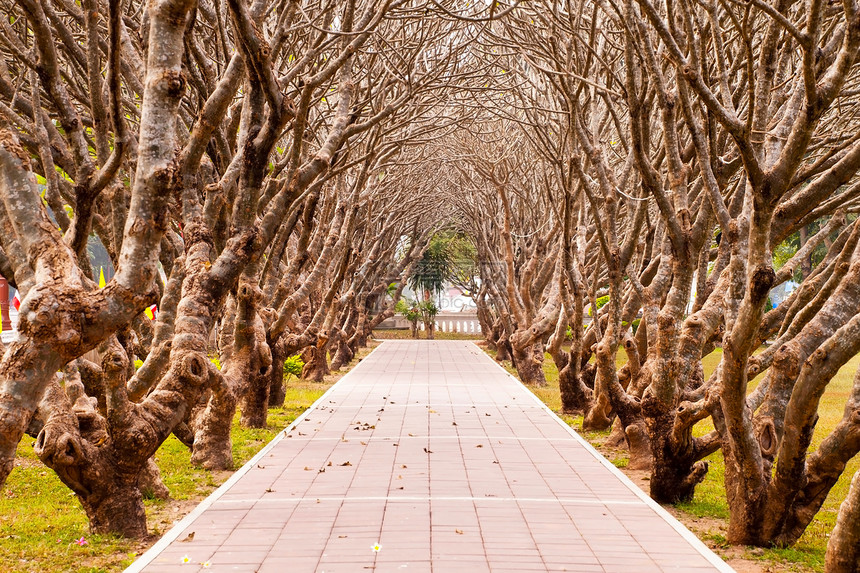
{"x": 185, "y": 559}
{"x": 377, "y": 547}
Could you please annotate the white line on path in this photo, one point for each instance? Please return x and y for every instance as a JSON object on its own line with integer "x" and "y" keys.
{"x": 372, "y": 438}
{"x": 395, "y": 498}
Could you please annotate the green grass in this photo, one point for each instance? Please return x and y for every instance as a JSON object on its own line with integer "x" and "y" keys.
{"x": 40, "y": 518}
{"x": 710, "y": 499}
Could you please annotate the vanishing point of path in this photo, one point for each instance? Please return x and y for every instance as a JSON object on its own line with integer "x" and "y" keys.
{"x": 428, "y": 457}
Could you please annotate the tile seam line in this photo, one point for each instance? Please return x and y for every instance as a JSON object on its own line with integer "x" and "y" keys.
{"x": 385, "y": 503}
{"x": 422, "y": 437}
{"x": 173, "y": 534}
{"x": 515, "y": 499}
{"x": 340, "y": 507}
{"x": 688, "y": 535}
{"x": 481, "y": 529}
{"x": 431, "y": 498}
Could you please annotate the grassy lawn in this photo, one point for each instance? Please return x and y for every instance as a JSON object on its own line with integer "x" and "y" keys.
{"x": 42, "y": 522}
{"x": 707, "y": 515}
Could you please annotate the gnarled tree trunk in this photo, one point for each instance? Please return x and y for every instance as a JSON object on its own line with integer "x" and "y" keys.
{"x": 843, "y": 548}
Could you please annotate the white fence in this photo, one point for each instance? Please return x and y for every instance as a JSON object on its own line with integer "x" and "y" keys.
{"x": 465, "y": 322}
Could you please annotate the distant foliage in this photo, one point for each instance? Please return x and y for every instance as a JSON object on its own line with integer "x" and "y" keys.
{"x": 293, "y": 366}
{"x": 428, "y": 309}
{"x": 450, "y": 257}
{"x": 601, "y": 302}
{"x": 409, "y": 309}
{"x": 433, "y": 269}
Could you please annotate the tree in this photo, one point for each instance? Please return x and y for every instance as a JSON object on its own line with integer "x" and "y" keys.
{"x": 210, "y": 142}
{"x": 411, "y": 311}
{"x": 695, "y": 137}
{"x": 433, "y": 269}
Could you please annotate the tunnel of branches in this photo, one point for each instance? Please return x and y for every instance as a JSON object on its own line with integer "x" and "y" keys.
{"x": 623, "y": 182}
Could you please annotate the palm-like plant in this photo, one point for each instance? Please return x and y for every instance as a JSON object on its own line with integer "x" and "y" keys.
{"x": 434, "y": 268}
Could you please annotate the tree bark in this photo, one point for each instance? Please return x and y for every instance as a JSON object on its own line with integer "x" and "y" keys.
{"x": 529, "y": 367}
{"x": 843, "y": 548}
{"x": 277, "y": 388}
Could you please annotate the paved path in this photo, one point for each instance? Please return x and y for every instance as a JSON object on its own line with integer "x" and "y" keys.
{"x": 434, "y": 453}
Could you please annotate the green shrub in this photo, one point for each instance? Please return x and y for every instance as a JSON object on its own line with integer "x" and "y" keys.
{"x": 601, "y": 302}
{"x": 429, "y": 309}
{"x": 410, "y": 310}
{"x": 293, "y": 366}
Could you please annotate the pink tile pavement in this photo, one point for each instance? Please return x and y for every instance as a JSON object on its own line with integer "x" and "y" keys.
{"x": 432, "y": 452}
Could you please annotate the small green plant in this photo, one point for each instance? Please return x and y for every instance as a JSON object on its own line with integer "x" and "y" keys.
{"x": 391, "y": 289}
{"x": 601, "y": 302}
{"x": 293, "y": 366}
{"x": 429, "y": 309}
{"x": 411, "y": 311}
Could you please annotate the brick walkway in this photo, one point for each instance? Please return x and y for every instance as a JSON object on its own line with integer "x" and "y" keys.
{"x": 434, "y": 453}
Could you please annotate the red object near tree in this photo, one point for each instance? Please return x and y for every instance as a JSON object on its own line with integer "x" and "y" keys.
{"x": 4, "y": 304}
